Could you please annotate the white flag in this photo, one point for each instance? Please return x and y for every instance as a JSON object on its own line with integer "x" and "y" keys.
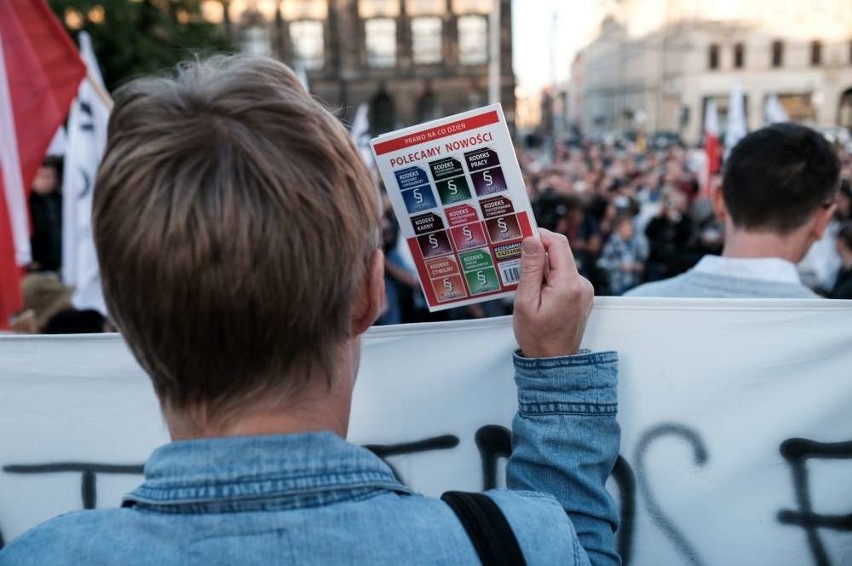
{"x": 773, "y": 111}
{"x": 737, "y": 124}
{"x": 302, "y": 74}
{"x": 59, "y": 143}
{"x": 87, "y": 128}
{"x": 360, "y": 133}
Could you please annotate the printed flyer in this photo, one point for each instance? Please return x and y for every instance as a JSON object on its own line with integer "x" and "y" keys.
{"x": 460, "y": 199}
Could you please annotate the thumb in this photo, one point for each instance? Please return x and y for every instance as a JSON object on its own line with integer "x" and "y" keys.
{"x": 532, "y": 272}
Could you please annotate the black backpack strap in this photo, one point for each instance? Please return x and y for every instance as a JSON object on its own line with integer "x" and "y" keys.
{"x": 487, "y": 527}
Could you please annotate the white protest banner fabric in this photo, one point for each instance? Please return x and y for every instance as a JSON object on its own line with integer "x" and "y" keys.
{"x": 87, "y": 134}
{"x": 735, "y": 414}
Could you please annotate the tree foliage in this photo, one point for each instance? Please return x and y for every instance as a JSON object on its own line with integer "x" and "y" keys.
{"x": 137, "y": 37}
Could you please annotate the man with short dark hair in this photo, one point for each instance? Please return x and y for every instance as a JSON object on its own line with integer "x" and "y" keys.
{"x": 776, "y": 200}
{"x": 237, "y": 230}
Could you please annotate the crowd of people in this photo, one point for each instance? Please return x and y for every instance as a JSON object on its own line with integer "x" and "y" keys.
{"x": 591, "y": 187}
{"x": 633, "y": 214}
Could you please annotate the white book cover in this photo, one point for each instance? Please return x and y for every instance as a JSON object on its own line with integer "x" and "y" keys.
{"x": 463, "y": 209}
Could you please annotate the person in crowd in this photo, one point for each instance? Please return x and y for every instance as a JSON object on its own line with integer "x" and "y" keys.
{"x": 46, "y": 218}
{"x": 844, "y": 201}
{"x": 623, "y": 256}
{"x": 401, "y": 282}
{"x": 74, "y": 321}
{"x": 776, "y": 200}
{"x": 820, "y": 266}
{"x": 583, "y": 233}
{"x": 48, "y": 309}
{"x": 668, "y": 234}
{"x": 708, "y": 233}
{"x": 549, "y": 209}
{"x": 248, "y": 204}
{"x": 45, "y": 295}
{"x": 843, "y": 286}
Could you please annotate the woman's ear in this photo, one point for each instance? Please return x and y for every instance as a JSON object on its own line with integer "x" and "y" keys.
{"x": 370, "y": 299}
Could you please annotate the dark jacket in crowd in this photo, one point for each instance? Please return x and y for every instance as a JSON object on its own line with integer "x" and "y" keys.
{"x": 843, "y": 286}
{"x": 666, "y": 241}
{"x": 46, "y": 241}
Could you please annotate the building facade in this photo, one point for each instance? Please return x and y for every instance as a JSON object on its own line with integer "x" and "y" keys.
{"x": 410, "y": 60}
{"x": 656, "y": 63}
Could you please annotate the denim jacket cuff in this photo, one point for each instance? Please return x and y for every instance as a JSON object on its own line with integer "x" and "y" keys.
{"x": 583, "y": 383}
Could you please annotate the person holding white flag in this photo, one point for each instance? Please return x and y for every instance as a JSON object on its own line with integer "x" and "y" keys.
{"x": 360, "y": 134}
{"x": 87, "y": 130}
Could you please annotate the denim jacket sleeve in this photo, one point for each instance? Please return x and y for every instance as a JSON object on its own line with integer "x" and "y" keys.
{"x": 566, "y": 440}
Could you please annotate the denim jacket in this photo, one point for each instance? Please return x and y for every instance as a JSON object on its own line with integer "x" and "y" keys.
{"x": 316, "y": 499}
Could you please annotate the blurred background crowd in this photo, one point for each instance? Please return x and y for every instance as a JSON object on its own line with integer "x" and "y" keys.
{"x": 634, "y": 210}
{"x": 611, "y": 103}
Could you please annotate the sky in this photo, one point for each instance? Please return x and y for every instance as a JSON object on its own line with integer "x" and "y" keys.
{"x": 576, "y": 24}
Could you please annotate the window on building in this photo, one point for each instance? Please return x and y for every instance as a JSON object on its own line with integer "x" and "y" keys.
{"x": 713, "y": 57}
{"x": 416, "y": 8}
{"x": 308, "y": 43}
{"x": 462, "y": 7}
{"x": 372, "y": 9}
{"x": 427, "y": 40}
{"x": 212, "y": 11}
{"x": 845, "y": 110}
{"x": 777, "y": 54}
{"x": 739, "y": 56}
{"x": 473, "y": 40}
{"x": 799, "y": 107}
{"x": 381, "y": 42}
{"x": 816, "y": 53}
{"x": 293, "y": 10}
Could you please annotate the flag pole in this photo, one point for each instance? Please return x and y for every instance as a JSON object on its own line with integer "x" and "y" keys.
{"x": 99, "y": 88}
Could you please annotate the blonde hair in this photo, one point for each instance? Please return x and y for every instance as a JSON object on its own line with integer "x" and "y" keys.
{"x": 234, "y": 220}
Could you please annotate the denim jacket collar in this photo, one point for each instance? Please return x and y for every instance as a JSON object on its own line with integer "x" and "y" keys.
{"x": 282, "y": 471}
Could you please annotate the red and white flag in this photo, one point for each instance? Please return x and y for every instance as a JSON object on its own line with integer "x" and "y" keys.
{"x": 712, "y": 145}
{"x": 40, "y": 71}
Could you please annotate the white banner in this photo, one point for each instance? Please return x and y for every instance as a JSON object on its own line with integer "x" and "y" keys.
{"x": 737, "y": 427}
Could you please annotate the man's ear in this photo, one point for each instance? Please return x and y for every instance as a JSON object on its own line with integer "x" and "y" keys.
{"x": 820, "y": 222}
{"x": 718, "y": 198}
{"x": 370, "y": 299}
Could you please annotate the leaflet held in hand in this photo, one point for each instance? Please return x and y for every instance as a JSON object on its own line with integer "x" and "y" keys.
{"x": 459, "y": 196}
